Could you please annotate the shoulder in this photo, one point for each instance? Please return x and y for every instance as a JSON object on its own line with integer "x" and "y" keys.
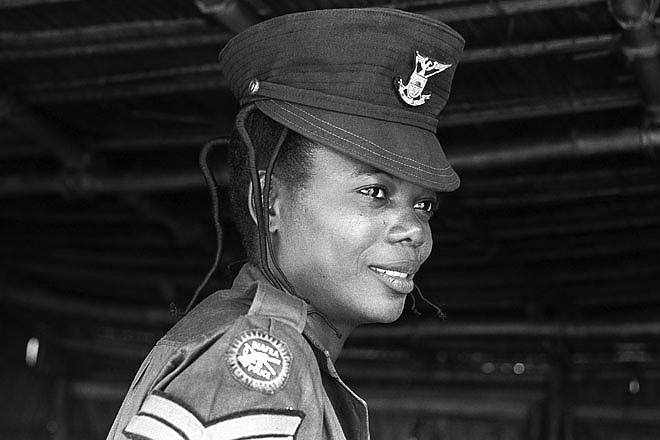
{"x": 256, "y": 369}
{"x": 214, "y": 314}
{"x": 258, "y": 360}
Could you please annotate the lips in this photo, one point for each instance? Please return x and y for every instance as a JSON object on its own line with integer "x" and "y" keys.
{"x": 392, "y": 273}
{"x": 398, "y": 276}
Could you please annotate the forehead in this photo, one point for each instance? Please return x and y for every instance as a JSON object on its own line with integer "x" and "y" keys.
{"x": 331, "y": 164}
{"x": 329, "y": 161}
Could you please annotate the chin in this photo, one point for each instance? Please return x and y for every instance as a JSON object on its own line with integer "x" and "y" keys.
{"x": 386, "y": 315}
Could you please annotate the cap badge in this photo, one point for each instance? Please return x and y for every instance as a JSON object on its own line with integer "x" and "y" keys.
{"x": 424, "y": 68}
{"x": 259, "y": 361}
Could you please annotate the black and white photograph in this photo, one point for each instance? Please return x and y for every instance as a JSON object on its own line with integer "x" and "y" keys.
{"x": 330, "y": 219}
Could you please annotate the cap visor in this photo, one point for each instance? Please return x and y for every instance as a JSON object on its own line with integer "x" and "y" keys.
{"x": 405, "y": 151}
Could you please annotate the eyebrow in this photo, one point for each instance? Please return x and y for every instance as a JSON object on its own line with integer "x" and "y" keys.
{"x": 363, "y": 168}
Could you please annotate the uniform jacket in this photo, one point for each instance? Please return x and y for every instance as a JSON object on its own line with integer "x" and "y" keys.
{"x": 248, "y": 362}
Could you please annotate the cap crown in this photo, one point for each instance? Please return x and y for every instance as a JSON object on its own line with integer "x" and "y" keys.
{"x": 358, "y": 54}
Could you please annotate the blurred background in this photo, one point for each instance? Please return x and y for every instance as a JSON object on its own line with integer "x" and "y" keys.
{"x": 546, "y": 261}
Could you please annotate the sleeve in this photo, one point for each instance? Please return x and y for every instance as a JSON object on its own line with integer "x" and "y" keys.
{"x": 258, "y": 380}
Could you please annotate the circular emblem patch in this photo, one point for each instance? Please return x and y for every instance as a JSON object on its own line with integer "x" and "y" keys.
{"x": 259, "y": 361}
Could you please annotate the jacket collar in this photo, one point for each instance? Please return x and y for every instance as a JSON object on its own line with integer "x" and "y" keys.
{"x": 271, "y": 301}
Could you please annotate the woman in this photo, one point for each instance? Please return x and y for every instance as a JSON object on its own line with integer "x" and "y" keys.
{"x": 335, "y": 172}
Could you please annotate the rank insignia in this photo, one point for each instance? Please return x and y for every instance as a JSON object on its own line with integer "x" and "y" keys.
{"x": 160, "y": 417}
{"x": 424, "y": 68}
{"x": 259, "y": 361}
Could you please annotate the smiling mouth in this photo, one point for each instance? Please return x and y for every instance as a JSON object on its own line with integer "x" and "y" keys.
{"x": 392, "y": 273}
{"x": 402, "y": 282}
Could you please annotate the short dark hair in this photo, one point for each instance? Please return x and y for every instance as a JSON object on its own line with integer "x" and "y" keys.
{"x": 292, "y": 169}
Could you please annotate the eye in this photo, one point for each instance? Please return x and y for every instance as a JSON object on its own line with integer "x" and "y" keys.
{"x": 374, "y": 191}
{"x": 427, "y": 206}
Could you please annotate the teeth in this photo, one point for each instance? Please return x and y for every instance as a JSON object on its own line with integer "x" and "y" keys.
{"x": 392, "y": 273}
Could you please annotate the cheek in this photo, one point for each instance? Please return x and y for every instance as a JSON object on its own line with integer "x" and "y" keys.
{"x": 343, "y": 232}
{"x": 332, "y": 235}
{"x": 427, "y": 247}
{"x": 353, "y": 231}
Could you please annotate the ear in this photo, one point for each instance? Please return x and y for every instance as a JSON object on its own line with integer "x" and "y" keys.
{"x": 274, "y": 201}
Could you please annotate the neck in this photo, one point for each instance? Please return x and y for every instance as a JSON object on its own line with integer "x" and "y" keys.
{"x": 329, "y": 335}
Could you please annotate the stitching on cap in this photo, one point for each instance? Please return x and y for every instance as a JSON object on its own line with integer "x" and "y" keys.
{"x": 361, "y": 146}
{"x": 357, "y": 145}
{"x": 290, "y": 94}
{"x": 367, "y": 140}
{"x": 353, "y": 143}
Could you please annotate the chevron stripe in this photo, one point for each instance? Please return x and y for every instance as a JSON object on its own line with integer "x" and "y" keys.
{"x": 146, "y": 427}
{"x": 163, "y": 408}
{"x": 160, "y": 418}
{"x": 278, "y": 426}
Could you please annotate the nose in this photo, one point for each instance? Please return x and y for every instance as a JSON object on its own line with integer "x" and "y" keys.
{"x": 408, "y": 229}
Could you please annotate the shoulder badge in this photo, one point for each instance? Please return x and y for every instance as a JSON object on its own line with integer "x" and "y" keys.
{"x": 424, "y": 68}
{"x": 259, "y": 361}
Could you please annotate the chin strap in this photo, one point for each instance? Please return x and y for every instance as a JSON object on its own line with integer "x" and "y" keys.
{"x": 215, "y": 203}
{"x": 261, "y": 202}
{"x": 281, "y": 278}
{"x": 413, "y": 307}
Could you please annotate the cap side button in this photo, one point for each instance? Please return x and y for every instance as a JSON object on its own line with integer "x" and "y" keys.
{"x": 253, "y": 87}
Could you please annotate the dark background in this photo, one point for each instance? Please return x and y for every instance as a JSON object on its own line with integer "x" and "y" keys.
{"x": 545, "y": 261}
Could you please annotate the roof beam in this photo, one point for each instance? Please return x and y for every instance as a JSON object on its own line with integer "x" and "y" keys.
{"x": 171, "y": 86}
{"x": 42, "y": 131}
{"x": 75, "y": 159}
{"x": 12, "y": 4}
{"x": 518, "y": 109}
{"x": 445, "y": 330}
{"x": 37, "y": 299}
{"x": 102, "y": 32}
{"x": 113, "y": 46}
{"x": 475, "y": 11}
{"x": 625, "y": 140}
{"x": 89, "y": 184}
{"x": 540, "y": 48}
{"x": 232, "y": 14}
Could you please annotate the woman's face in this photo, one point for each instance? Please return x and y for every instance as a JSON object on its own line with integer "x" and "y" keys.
{"x": 353, "y": 238}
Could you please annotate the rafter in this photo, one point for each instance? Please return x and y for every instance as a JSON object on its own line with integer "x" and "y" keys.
{"x": 11, "y": 4}
{"x": 576, "y": 330}
{"x": 91, "y": 184}
{"x": 75, "y": 159}
{"x": 115, "y": 45}
{"x": 479, "y": 10}
{"x": 233, "y": 14}
{"x": 101, "y": 32}
{"x": 42, "y": 131}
